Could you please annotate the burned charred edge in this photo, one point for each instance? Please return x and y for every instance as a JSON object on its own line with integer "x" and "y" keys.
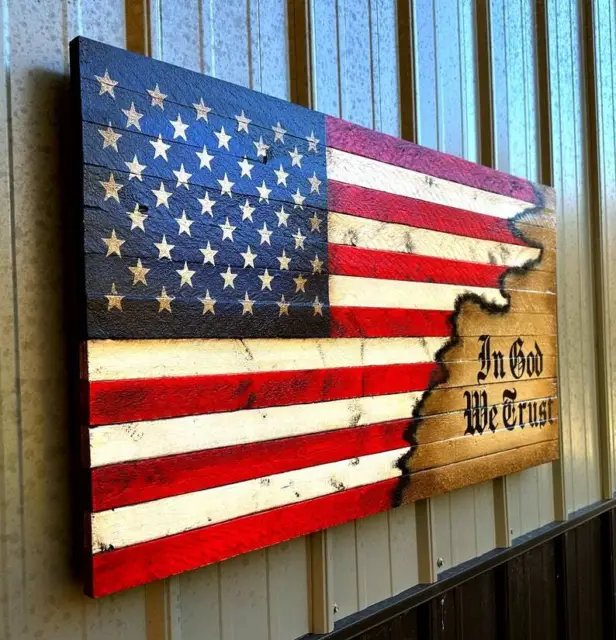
{"x": 442, "y": 374}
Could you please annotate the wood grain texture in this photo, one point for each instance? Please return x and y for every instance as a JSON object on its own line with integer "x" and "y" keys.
{"x": 167, "y": 556}
{"x": 351, "y": 138}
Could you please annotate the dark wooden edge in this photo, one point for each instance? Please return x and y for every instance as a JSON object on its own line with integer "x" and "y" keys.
{"x": 386, "y": 611}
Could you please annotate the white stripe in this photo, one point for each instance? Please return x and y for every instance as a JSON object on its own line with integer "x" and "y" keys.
{"x": 151, "y": 520}
{"x": 126, "y": 359}
{"x": 381, "y": 176}
{"x": 390, "y": 236}
{"x": 153, "y": 438}
{"x": 349, "y": 291}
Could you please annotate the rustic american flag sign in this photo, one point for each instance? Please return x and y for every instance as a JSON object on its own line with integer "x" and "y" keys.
{"x": 292, "y": 321}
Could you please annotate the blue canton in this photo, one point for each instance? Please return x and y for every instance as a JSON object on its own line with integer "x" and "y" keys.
{"x": 205, "y": 207}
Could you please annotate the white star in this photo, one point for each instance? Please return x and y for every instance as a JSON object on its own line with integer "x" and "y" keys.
{"x": 312, "y": 142}
{"x": 164, "y": 249}
{"x": 225, "y": 186}
{"x": 246, "y": 167}
{"x": 246, "y": 304}
{"x": 114, "y": 244}
{"x": 137, "y": 218}
{"x": 184, "y": 224}
{"x": 114, "y": 300}
{"x": 227, "y": 230}
{"x": 264, "y": 192}
{"x": 206, "y": 204}
{"x": 223, "y": 138}
{"x": 208, "y": 303}
{"x": 298, "y": 199}
{"x": 157, "y": 97}
{"x": 208, "y": 254}
{"x": 317, "y": 265}
{"x": 300, "y": 283}
{"x": 281, "y": 175}
{"x": 283, "y": 306}
{"x": 162, "y": 196}
{"x": 160, "y": 147}
{"x": 107, "y": 84}
{"x": 243, "y": 122}
{"x": 249, "y": 258}
{"x": 112, "y": 188}
{"x": 299, "y": 239}
{"x": 315, "y": 222}
{"x": 284, "y": 261}
{"x": 139, "y": 273}
{"x": 132, "y": 117}
{"x": 247, "y": 211}
{"x": 283, "y": 216}
{"x": 278, "y": 132}
{"x": 261, "y": 147}
{"x": 296, "y": 158}
{"x": 110, "y": 137}
{"x": 318, "y": 307}
{"x": 179, "y": 128}
{"x": 182, "y": 176}
{"x": 135, "y": 169}
{"x": 228, "y": 276}
{"x": 265, "y": 234}
{"x": 201, "y": 109}
{"x": 315, "y": 183}
{"x": 266, "y": 280}
{"x": 164, "y": 301}
{"x": 205, "y": 158}
{"x": 185, "y": 275}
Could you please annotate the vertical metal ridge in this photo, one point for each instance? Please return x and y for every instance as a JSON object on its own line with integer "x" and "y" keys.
{"x": 300, "y": 52}
{"x": 406, "y": 66}
{"x": 484, "y": 81}
{"x": 599, "y": 246}
{"x": 137, "y": 19}
{"x": 546, "y": 175}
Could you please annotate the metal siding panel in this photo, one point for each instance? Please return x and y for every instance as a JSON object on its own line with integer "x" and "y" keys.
{"x": 244, "y": 597}
{"x": 345, "y": 594}
{"x": 40, "y": 596}
{"x": 287, "y": 563}
{"x": 604, "y": 29}
{"x": 516, "y": 151}
{"x": 447, "y": 108}
{"x": 575, "y": 305}
{"x": 403, "y": 548}
{"x": 200, "y": 604}
{"x": 355, "y": 67}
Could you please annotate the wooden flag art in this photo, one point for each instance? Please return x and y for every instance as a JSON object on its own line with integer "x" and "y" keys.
{"x": 291, "y": 321}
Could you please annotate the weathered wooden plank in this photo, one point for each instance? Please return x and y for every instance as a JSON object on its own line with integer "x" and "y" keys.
{"x": 443, "y": 479}
{"x": 349, "y": 137}
{"x": 370, "y": 234}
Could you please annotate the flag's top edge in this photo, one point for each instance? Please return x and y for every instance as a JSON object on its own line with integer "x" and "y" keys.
{"x": 182, "y": 86}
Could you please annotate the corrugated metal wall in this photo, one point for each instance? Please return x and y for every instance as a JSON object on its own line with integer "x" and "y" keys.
{"x": 526, "y": 86}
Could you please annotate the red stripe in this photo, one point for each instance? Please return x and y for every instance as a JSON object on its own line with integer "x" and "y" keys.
{"x": 133, "y": 482}
{"x": 364, "y": 322}
{"x": 115, "y": 401}
{"x": 368, "y": 263}
{"x": 141, "y": 563}
{"x": 380, "y": 146}
{"x": 387, "y": 207}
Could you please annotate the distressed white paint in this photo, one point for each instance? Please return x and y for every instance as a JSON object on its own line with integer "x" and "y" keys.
{"x": 372, "y": 234}
{"x": 158, "y": 518}
{"x": 373, "y": 174}
{"x": 349, "y": 291}
{"x": 126, "y": 359}
{"x": 149, "y": 439}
